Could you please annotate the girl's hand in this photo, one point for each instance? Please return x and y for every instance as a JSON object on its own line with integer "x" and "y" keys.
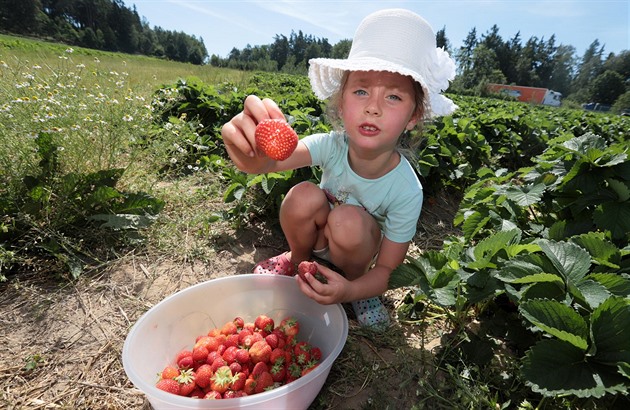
{"x": 239, "y": 134}
{"x": 334, "y": 291}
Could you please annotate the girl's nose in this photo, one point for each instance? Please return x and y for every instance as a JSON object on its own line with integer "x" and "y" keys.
{"x": 372, "y": 107}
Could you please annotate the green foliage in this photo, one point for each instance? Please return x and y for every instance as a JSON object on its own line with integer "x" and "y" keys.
{"x": 553, "y": 237}
{"x": 190, "y": 100}
{"x": 103, "y": 25}
{"x": 54, "y": 207}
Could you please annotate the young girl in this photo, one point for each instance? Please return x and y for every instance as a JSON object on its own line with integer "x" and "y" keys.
{"x": 364, "y": 213}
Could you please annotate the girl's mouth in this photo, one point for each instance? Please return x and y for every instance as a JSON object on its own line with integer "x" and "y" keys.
{"x": 368, "y": 129}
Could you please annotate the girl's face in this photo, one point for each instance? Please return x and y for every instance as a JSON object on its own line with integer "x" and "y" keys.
{"x": 376, "y": 108}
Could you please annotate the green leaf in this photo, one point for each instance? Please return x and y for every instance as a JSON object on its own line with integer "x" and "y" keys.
{"x": 624, "y": 369}
{"x": 234, "y": 192}
{"x": 540, "y": 277}
{"x": 620, "y": 188}
{"x": 615, "y": 284}
{"x": 589, "y": 291}
{"x": 610, "y": 328}
{"x": 571, "y": 261}
{"x": 139, "y": 203}
{"x": 601, "y": 250}
{"x": 525, "y": 195}
{"x": 489, "y": 247}
{"x": 614, "y": 217}
{"x": 554, "y": 367}
{"x": 434, "y": 278}
{"x": 474, "y": 223}
{"x": 557, "y": 319}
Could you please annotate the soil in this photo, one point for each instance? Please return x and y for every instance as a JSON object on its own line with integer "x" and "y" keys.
{"x": 61, "y": 340}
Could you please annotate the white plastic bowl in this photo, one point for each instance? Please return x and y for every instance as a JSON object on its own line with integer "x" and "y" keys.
{"x": 173, "y": 324}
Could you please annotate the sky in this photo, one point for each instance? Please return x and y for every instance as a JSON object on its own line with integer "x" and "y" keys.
{"x": 227, "y": 24}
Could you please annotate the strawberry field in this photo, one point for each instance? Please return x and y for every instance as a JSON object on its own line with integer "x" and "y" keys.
{"x": 118, "y": 193}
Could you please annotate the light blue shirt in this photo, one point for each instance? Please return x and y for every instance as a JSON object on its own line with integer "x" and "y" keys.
{"x": 394, "y": 200}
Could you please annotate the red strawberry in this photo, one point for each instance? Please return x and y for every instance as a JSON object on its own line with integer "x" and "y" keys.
{"x": 260, "y": 352}
{"x": 307, "y": 267}
{"x": 203, "y": 375}
{"x": 258, "y": 369}
{"x": 242, "y": 356}
{"x": 239, "y": 322}
{"x": 217, "y": 363}
{"x": 221, "y": 380}
{"x": 272, "y": 340}
{"x": 186, "y": 380}
{"x": 276, "y": 138}
{"x": 212, "y": 395}
{"x": 250, "y": 386}
{"x": 238, "y": 381}
{"x": 230, "y": 354}
{"x": 264, "y": 322}
{"x": 168, "y": 385}
{"x": 316, "y": 353}
{"x": 200, "y": 354}
{"x": 264, "y": 382}
{"x": 289, "y": 326}
{"x": 170, "y": 372}
{"x": 185, "y": 362}
{"x": 278, "y": 372}
{"x": 309, "y": 369}
{"x": 249, "y": 340}
{"x": 302, "y": 353}
{"x": 243, "y": 334}
{"x": 229, "y": 328}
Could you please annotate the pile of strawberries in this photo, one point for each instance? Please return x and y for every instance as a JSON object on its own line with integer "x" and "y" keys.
{"x": 240, "y": 359}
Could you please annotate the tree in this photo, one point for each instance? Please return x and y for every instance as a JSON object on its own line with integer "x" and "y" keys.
{"x": 341, "y": 49}
{"x": 589, "y": 68}
{"x": 619, "y": 63}
{"x": 464, "y": 55}
{"x": 563, "y": 70}
{"x": 441, "y": 40}
{"x": 20, "y": 16}
{"x": 513, "y": 50}
{"x": 485, "y": 68}
{"x": 622, "y": 103}
{"x": 280, "y": 50}
{"x": 607, "y": 87}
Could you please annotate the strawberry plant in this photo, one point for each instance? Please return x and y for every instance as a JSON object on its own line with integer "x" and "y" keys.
{"x": 553, "y": 239}
{"x": 58, "y": 209}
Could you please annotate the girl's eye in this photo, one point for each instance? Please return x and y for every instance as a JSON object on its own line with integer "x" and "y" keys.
{"x": 360, "y": 92}
{"x": 395, "y": 98}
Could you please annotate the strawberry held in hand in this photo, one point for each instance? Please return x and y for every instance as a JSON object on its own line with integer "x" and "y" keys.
{"x": 307, "y": 267}
{"x": 276, "y": 138}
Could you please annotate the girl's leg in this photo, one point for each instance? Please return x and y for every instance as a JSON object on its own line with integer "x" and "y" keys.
{"x": 303, "y": 216}
{"x": 353, "y": 239}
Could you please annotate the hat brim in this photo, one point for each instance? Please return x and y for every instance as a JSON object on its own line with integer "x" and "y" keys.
{"x": 325, "y": 75}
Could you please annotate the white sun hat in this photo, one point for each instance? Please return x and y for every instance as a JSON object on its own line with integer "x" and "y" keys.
{"x": 394, "y": 40}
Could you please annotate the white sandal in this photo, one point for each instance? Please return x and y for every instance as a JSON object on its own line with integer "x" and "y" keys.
{"x": 371, "y": 313}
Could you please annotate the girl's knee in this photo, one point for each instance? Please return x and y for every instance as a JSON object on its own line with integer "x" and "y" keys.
{"x": 352, "y": 226}
{"x": 304, "y": 198}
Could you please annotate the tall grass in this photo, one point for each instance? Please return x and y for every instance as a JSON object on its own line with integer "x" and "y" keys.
{"x": 67, "y": 115}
